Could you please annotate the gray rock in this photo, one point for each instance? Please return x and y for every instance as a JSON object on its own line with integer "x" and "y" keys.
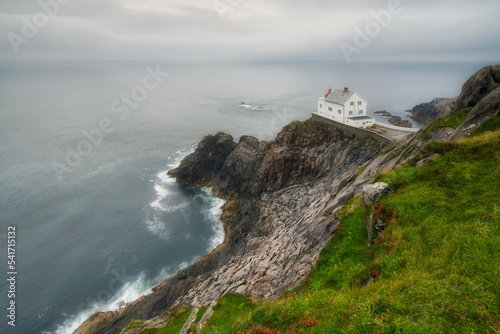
{"x": 206, "y": 316}
{"x": 189, "y": 321}
{"x": 369, "y": 227}
{"x": 427, "y": 112}
{"x": 426, "y": 160}
{"x": 487, "y": 108}
{"x": 478, "y": 86}
{"x": 374, "y": 230}
{"x": 373, "y": 192}
{"x": 206, "y": 162}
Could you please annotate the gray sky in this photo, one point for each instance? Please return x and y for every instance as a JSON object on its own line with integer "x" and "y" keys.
{"x": 248, "y": 30}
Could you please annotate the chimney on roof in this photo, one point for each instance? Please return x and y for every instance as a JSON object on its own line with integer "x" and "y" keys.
{"x": 329, "y": 92}
{"x": 346, "y": 89}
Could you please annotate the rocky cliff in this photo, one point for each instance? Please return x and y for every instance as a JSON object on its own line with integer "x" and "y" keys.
{"x": 281, "y": 195}
{"x": 282, "y": 199}
{"x": 479, "y": 86}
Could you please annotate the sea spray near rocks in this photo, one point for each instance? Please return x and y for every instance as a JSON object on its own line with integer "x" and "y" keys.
{"x": 155, "y": 221}
{"x": 129, "y": 292}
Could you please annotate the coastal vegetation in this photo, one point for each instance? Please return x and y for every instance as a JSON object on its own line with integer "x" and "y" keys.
{"x": 436, "y": 268}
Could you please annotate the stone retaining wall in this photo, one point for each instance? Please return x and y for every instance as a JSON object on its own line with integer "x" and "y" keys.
{"x": 350, "y": 131}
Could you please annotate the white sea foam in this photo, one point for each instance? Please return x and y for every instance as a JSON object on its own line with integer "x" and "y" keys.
{"x": 158, "y": 227}
{"x": 163, "y": 181}
{"x": 161, "y": 193}
{"x": 212, "y": 215}
{"x": 251, "y": 107}
{"x": 163, "y": 184}
{"x": 126, "y": 294}
{"x": 175, "y": 159}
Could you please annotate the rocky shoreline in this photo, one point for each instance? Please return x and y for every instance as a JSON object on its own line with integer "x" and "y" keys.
{"x": 282, "y": 200}
{"x": 396, "y": 120}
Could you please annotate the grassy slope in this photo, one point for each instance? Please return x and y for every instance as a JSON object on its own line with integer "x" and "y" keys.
{"x": 436, "y": 269}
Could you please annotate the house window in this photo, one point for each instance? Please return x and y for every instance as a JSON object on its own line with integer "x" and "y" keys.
{"x": 359, "y": 103}
{"x": 330, "y": 109}
{"x": 340, "y": 111}
{"x": 352, "y": 103}
{"x": 360, "y": 112}
{"x": 350, "y": 112}
{"x": 320, "y": 105}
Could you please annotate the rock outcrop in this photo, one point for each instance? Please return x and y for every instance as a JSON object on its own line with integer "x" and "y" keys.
{"x": 207, "y": 161}
{"x": 474, "y": 90}
{"x": 487, "y": 108}
{"x": 398, "y": 121}
{"x": 383, "y": 113}
{"x": 373, "y": 192}
{"x": 96, "y": 322}
{"x": 478, "y": 86}
{"x": 427, "y": 112}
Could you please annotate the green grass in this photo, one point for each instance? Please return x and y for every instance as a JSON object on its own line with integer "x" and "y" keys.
{"x": 490, "y": 125}
{"x": 135, "y": 324}
{"x": 435, "y": 270}
{"x": 174, "y": 326}
{"x": 347, "y": 250}
{"x": 231, "y": 313}
{"x": 361, "y": 169}
{"x": 450, "y": 121}
{"x": 200, "y": 314}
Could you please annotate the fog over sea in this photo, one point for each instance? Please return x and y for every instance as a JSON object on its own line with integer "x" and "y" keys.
{"x": 83, "y": 174}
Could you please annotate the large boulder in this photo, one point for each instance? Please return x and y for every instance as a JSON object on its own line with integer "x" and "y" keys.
{"x": 478, "y": 86}
{"x": 372, "y": 193}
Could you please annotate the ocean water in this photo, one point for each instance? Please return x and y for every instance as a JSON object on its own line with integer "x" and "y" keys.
{"x": 85, "y": 147}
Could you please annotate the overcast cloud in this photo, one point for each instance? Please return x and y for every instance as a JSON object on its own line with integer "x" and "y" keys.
{"x": 249, "y": 30}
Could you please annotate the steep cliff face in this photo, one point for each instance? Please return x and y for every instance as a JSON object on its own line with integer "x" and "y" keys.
{"x": 250, "y": 167}
{"x": 281, "y": 195}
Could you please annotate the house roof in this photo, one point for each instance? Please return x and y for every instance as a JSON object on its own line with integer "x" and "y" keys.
{"x": 339, "y": 96}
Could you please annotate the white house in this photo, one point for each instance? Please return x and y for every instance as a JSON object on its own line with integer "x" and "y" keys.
{"x": 345, "y": 107}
